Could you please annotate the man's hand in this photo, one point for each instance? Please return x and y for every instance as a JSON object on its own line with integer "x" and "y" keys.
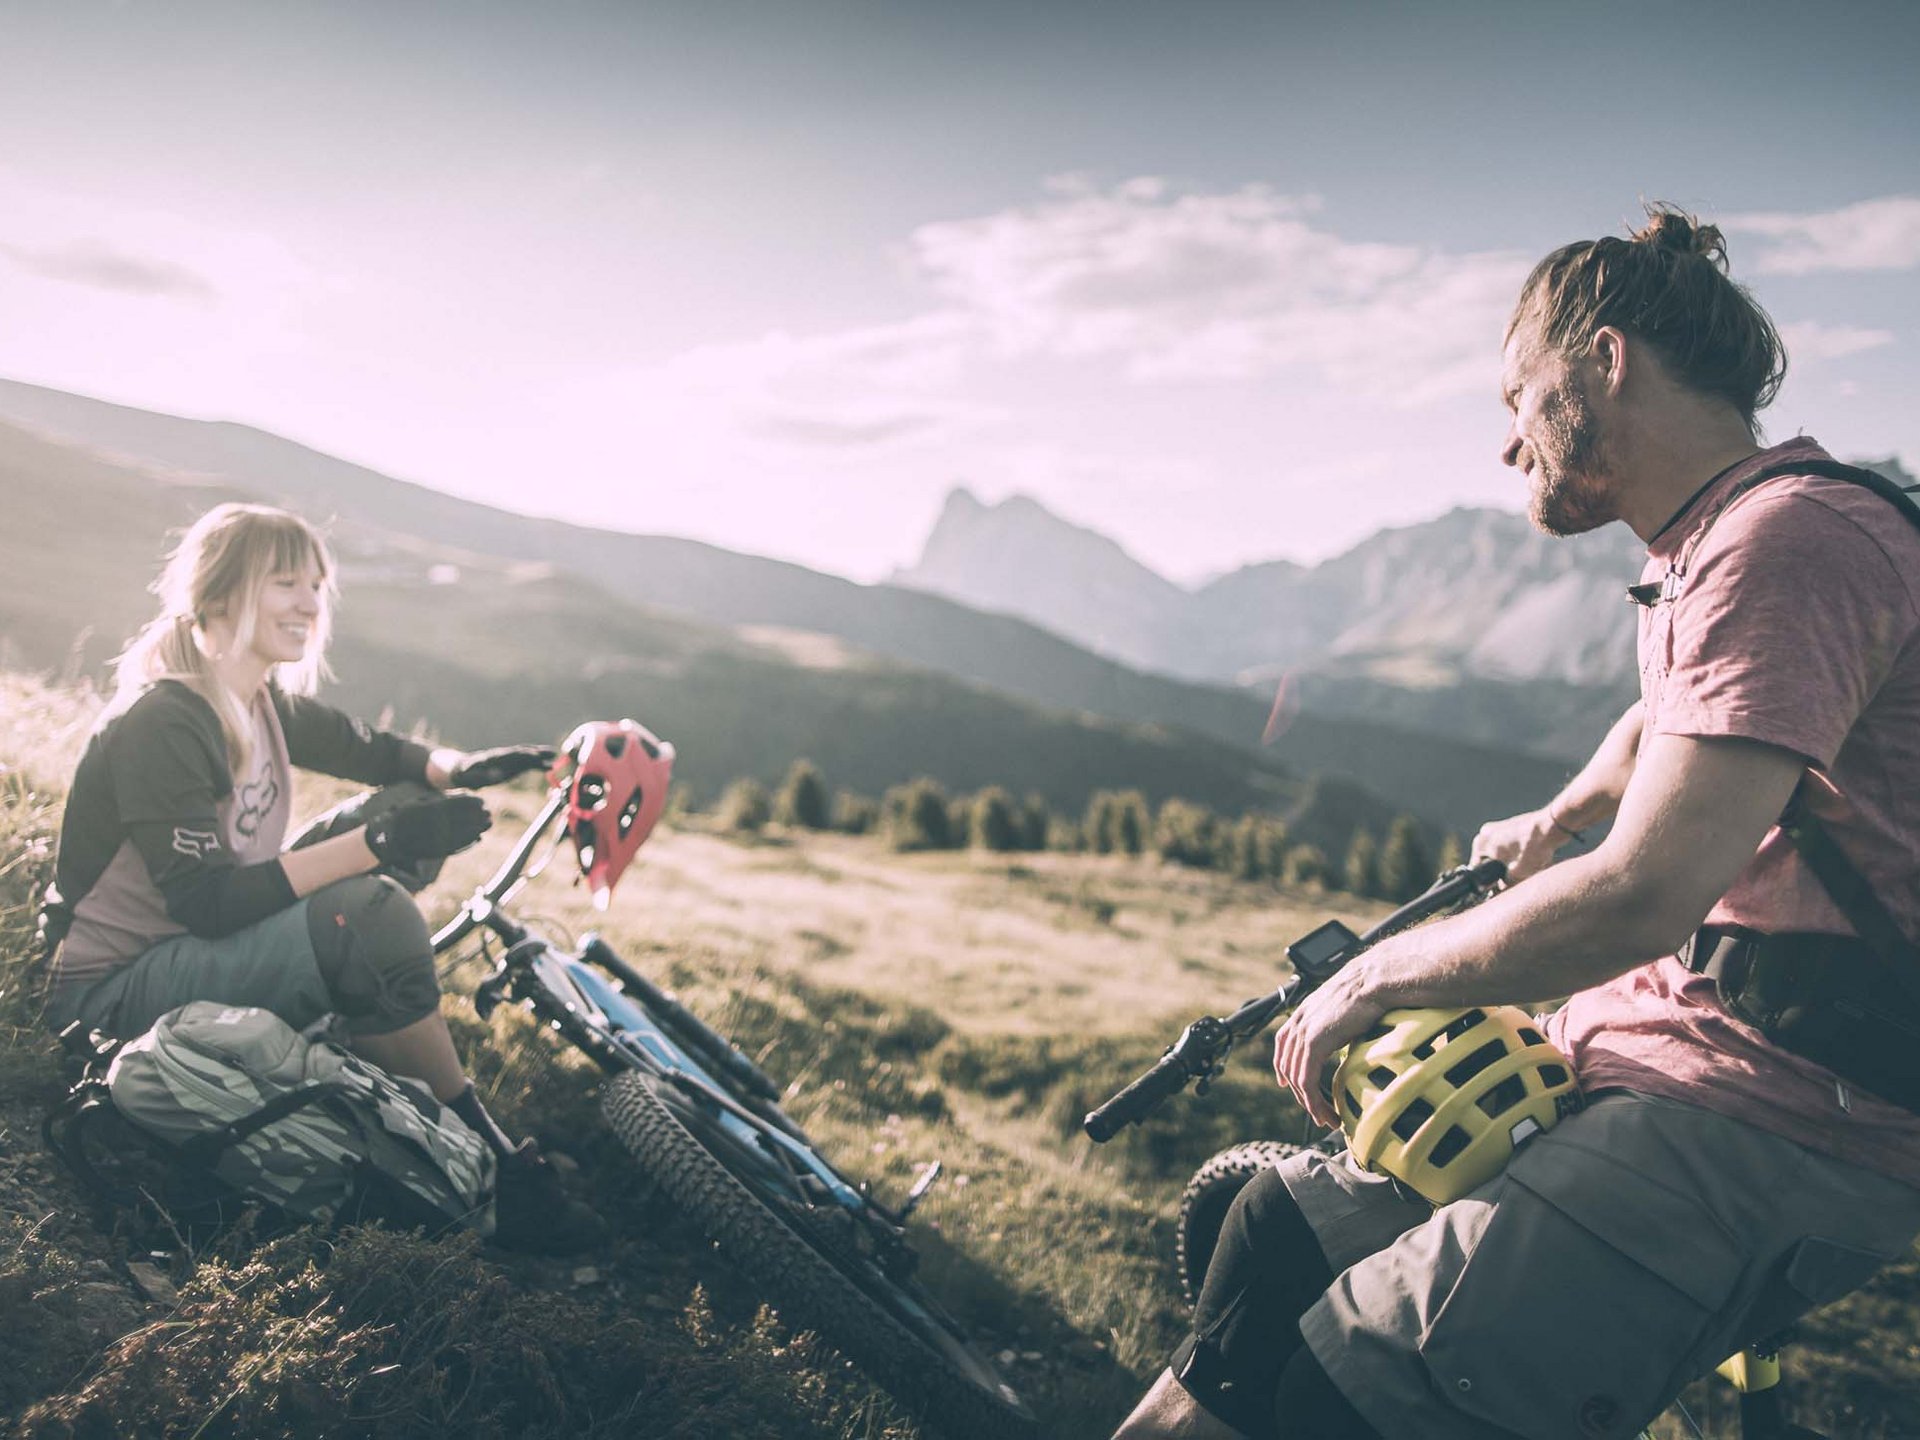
{"x": 1525, "y": 844}
{"x": 495, "y": 767}
{"x": 1317, "y": 1030}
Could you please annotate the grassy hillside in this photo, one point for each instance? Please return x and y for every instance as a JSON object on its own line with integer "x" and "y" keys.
{"x": 946, "y": 1005}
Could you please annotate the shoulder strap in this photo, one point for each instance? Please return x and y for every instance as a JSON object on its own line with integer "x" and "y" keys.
{"x": 1843, "y": 882}
{"x": 206, "y": 1149}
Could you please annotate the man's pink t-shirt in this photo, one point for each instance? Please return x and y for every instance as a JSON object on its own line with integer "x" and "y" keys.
{"x": 1798, "y": 625}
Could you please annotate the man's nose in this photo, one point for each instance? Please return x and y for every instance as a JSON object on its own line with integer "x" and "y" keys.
{"x": 1510, "y": 448}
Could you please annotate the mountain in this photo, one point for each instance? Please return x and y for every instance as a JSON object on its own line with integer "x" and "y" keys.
{"x": 1477, "y": 593}
{"x": 495, "y": 650}
{"x": 1452, "y": 783}
{"x": 1019, "y": 557}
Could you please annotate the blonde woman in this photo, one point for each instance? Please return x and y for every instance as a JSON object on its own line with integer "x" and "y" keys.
{"x": 172, "y": 883}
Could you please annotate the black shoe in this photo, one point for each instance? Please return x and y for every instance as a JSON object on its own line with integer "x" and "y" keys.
{"x": 533, "y": 1212}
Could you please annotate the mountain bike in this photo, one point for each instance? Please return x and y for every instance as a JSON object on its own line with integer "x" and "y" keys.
{"x": 1199, "y": 1056}
{"x": 704, "y": 1123}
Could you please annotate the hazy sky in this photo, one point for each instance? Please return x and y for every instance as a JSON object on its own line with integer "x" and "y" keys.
{"x": 1224, "y": 280}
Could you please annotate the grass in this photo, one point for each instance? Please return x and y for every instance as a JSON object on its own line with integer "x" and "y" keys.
{"x": 951, "y": 1006}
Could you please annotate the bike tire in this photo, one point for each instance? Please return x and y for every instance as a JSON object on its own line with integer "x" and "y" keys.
{"x": 1208, "y": 1197}
{"x": 890, "y": 1327}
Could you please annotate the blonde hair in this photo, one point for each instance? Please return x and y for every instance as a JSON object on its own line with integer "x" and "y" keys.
{"x": 220, "y": 566}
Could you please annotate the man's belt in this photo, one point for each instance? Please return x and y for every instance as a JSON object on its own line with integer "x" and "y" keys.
{"x": 1828, "y": 998}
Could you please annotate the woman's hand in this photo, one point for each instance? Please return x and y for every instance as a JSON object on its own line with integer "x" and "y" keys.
{"x": 464, "y": 770}
{"x": 1525, "y": 844}
{"x": 1318, "y": 1029}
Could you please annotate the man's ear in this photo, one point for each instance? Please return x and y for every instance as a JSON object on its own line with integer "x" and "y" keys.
{"x": 1607, "y": 353}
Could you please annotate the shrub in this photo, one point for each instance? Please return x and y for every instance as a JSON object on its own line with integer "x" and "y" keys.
{"x": 1065, "y": 836}
{"x": 914, "y": 816}
{"x": 1304, "y": 865}
{"x": 1453, "y": 854}
{"x": 1362, "y": 870}
{"x": 745, "y": 806}
{"x": 1406, "y": 864}
{"x": 995, "y": 826}
{"x": 854, "y": 813}
{"x": 1186, "y": 834}
{"x": 802, "y": 801}
{"x": 1035, "y": 821}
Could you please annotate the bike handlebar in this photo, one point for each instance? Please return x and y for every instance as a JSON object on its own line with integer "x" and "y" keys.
{"x": 1201, "y": 1051}
{"x": 1167, "y": 1078}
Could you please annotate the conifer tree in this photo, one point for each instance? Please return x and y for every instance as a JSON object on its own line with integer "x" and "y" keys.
{"x": 802, "y": 800}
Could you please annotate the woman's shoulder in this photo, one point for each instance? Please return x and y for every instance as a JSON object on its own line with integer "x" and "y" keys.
{"x": 163, "y": 705}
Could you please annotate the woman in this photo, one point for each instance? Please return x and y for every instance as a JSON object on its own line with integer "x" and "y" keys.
{"x": 172, "y": 884}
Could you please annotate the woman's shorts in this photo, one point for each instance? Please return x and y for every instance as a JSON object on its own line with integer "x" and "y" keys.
{"x": 270, "y": 964}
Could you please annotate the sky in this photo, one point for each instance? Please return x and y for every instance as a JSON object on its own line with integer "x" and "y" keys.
{"x": 1224, "y": 280}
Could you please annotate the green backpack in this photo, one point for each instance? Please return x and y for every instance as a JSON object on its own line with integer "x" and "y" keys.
{"x": 232, "y": 1095}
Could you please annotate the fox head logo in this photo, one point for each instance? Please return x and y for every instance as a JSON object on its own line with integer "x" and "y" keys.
{"x": 196, "y": 844}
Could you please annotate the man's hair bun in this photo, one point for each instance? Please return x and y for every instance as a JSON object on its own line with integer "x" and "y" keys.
{"x": 1669, "y": 228}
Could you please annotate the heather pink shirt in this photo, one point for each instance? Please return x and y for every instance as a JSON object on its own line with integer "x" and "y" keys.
{"x": 1799, "y": 625}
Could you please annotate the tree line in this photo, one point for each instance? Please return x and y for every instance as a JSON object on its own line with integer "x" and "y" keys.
{"x": 921, "y": 815}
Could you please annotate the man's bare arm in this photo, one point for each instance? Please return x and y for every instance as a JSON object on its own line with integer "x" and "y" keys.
{"x": 1692, "y": 818}
{"x": 1527, "y": 843}
{"x": 1688, "y": 824}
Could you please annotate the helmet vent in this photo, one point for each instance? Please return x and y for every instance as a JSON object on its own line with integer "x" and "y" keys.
{"x": 1381, "y": 1076}
{"x": 1409, "y": 1120}
{"x": 616, "y": 743}
{"x": 1479, "y": 1060}
{"x": 1551, "y": 1075}
{"x": 1509, "y": 1094}
{"x": 1531, "y": 1036}
{"x": 653, "y": 750}
{"x": 628, "y": 813}
{"x": 1450, "y": 1146}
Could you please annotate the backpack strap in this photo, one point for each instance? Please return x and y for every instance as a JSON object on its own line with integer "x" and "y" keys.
{"x": 1845, "y": 885}
{"x": 206, "y": 1149}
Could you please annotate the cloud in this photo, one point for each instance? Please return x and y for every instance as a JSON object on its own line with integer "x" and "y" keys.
{"x": 1811, "y": 340}
{"x": 1223, "y": 286}
{"x": 874, "y": 388}
{"x": 102, "y": 266}
{"x": 1881, "y": 234}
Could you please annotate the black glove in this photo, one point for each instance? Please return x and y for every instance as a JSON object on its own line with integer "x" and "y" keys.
{"x": 428, "y": 829}
{"x": 492, "y": 767}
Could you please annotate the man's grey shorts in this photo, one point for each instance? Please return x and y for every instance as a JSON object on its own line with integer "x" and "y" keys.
{"x": 1620, "y": 1255}
{"x": 269, "y": 964}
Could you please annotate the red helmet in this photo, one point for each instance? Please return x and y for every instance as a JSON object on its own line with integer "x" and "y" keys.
{"x": 618, "y": 789}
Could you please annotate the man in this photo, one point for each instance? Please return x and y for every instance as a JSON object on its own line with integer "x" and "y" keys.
{"x": 1718, "y": 1183}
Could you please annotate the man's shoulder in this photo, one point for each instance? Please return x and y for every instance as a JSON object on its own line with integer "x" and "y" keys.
{"x": 1818, "y": 521}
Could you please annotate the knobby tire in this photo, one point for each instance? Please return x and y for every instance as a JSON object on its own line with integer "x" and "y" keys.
{"x": 1208, "y": 1197}
{"x": 813, "y": 1281}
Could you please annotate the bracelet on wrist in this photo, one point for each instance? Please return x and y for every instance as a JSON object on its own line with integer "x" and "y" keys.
{"x": 1562, "y": 826}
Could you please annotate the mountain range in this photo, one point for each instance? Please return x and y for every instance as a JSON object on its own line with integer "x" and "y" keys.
{"x": 719, "y": 602}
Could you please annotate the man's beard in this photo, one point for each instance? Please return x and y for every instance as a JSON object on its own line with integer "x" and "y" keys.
{"x": 1568, "y": 494}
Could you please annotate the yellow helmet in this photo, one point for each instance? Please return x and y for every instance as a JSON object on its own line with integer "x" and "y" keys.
{"x": 1440, "y": 1099}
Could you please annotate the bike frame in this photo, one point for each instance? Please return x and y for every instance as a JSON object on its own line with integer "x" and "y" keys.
{"x": 623, "y": 1021}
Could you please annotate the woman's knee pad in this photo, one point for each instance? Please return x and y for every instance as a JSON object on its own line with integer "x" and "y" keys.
{"x": 371, "y": 944}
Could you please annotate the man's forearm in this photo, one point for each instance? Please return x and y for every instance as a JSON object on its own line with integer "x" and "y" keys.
{"x": 1593, "y": 796}
{"x": 1579, "y": 924}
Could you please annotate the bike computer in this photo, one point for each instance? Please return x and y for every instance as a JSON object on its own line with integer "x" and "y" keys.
{"x": 1321, "y": 951}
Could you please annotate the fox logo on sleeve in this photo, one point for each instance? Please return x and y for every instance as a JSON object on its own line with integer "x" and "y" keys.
{"x": 195, "y": 844}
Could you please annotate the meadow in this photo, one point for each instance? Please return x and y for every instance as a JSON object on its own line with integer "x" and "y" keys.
{"x": 963, "y": 1006}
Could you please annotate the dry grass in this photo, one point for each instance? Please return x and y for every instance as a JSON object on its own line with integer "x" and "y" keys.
{"x": 965, "y": 1007}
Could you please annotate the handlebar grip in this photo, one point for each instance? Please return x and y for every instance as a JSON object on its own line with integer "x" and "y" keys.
{"x": 1167, "y": 1078}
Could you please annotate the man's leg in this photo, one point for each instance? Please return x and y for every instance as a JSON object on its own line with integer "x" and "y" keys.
{"x": 1169, "y": 1412}
{"x": 1268, "y": 1268}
